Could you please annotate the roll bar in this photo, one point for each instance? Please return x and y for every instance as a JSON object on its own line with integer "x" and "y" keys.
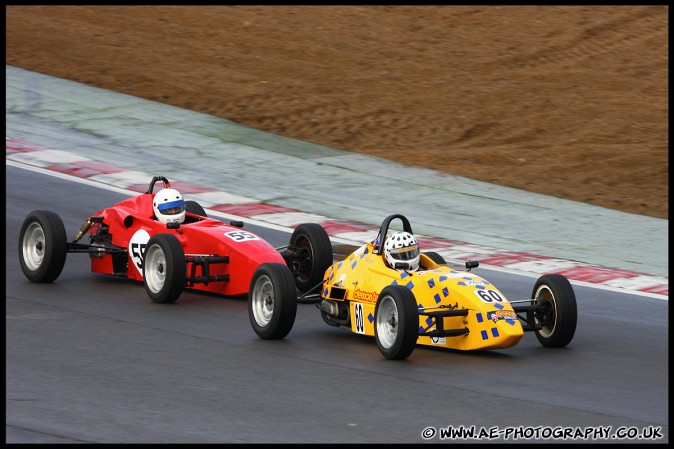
{"x": 384, "y": 230}
{"x": 167, "y": 184}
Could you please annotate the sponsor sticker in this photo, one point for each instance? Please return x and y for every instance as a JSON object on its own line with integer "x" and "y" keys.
{"x": 365, "y": 296}
{"x": 497, "y": 315}
{"x": 438, "y": 340}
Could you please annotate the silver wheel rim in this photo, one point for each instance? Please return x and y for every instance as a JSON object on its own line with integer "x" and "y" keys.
{"x": 387, "y": 322}
{"x": 263, "y": 300}
{"x": 155, "y": 268}
{"x": 33, "y": 246}
{"x": 544, "y": 294}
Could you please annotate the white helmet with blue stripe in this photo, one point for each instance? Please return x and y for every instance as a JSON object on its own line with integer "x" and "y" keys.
{"x": 169, "y": 206}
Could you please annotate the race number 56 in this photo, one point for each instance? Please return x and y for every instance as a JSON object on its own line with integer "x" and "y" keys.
{"x": 137, "y": 246}
{"x": 240, "y": 236}
{"x": 138, "y": 253}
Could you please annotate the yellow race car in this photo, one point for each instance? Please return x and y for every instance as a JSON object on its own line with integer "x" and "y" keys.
{"x": 388, "y": 290}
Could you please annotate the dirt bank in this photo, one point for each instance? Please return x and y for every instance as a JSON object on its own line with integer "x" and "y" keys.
{"x": 570, "y": 101}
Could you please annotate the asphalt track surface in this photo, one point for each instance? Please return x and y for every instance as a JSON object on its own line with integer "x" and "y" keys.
{"x": 90, "y": 359}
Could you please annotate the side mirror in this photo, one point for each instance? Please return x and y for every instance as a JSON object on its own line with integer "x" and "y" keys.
{"x": 472, "y": 264}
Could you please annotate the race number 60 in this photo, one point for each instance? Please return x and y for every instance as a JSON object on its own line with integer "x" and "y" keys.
{"x": 489, "y": 295}
{"x": 359, "y": 317}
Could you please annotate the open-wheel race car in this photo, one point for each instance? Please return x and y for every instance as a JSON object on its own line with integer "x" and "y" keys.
{"x": 400, "y": 303}
{"x": 170, "y": 244}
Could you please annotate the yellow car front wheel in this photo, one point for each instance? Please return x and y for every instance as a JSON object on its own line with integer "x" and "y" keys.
{"x": 556, "y": 311}
{"x": 396, "y": 322}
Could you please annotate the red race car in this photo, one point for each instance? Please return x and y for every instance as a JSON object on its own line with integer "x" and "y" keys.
{"x": 170, "y": 244}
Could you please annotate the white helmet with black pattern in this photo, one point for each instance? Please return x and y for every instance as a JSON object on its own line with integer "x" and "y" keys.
{"x": 169, "y": 206}
{"x": 401, "y": 251}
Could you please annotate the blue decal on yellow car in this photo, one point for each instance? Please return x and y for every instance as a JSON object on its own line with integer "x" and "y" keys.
{"x": 479, "y": 317}
{"x": 445, "y": 292}
{"x": 494, "y": 332}
{"x": 431, "y": 283}
{"x": 484, "y": 335}
{"x": 437, "y": 298}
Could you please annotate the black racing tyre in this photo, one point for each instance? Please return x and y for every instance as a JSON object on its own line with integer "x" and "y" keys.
{"x": 557, "y": 313}
{"x": 272, "y": 301}
{"x": 396, "y": 326}
{"x": 195, "y": 208}
{"x": 164, "y": 268}
{"x": 43, "y": 246}
{"x": 435, "y": 257}
{"x": 312, "y": 255}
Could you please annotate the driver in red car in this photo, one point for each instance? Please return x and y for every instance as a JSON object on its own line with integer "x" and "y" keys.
{"x": 169, "y": 206}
